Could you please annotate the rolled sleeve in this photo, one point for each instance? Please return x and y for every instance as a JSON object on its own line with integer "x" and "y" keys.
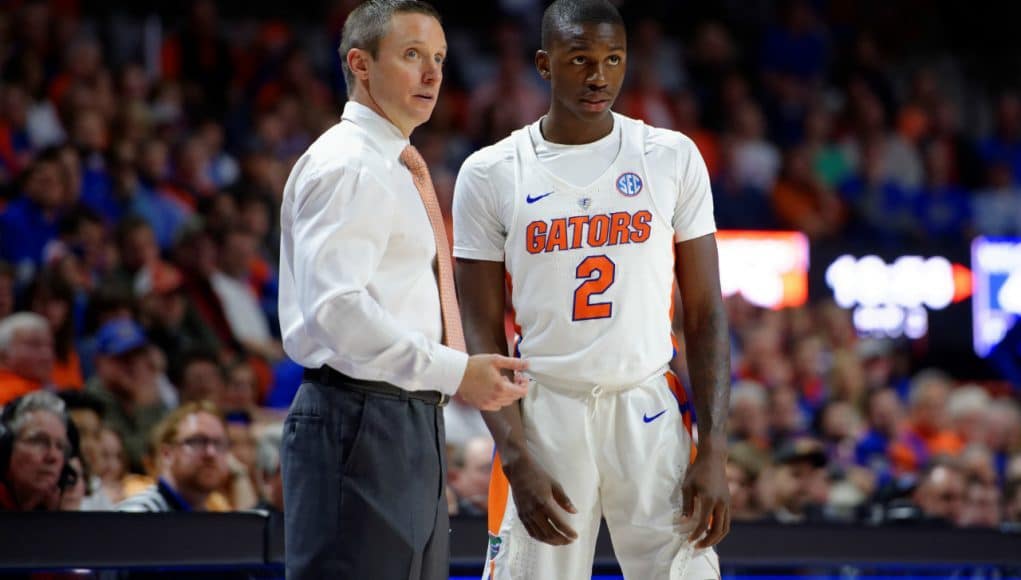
{"x": 343, "y": 224}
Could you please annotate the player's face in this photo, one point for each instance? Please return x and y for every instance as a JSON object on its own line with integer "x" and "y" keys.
{"x": 585, "y": 66}
{"x": 404, "y": 80}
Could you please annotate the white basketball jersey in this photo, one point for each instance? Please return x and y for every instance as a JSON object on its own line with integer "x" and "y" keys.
{"x": 591, "y": 269}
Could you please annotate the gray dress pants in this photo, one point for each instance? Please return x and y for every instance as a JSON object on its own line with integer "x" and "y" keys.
{"x": 364, "y": 478}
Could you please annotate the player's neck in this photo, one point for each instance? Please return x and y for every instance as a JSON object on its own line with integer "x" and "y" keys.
{"x": 566, "y": 129}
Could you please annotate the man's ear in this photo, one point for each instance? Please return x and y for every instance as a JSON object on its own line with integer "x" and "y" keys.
{"x": 542, "y": 64}
{"x": 359, "y": 61}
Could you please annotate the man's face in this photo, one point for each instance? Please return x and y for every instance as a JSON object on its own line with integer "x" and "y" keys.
{"x": 89, "y": 429}
{"x": 981, "y": 507}
{"x": 942, "y": 494}
{"x": 472, "y": 482}
{"x": 585, "y": 65}
{"x": 39, "y": 453}
{"x": 800, "y": 484}
{"x": 242, "y": 444}
{"x": 404, "y": 79}
{"x": 128, "y": 372}
{"x": 739, "y": 483}
{"x": 141, "y": 249}
{"x": 929, "y": 411}
{"x": 30, "y": 354}
{"x": 886, "y": 412}
{"x": 241, "y": 390}
{"x": 238, "y": 252}
{"x": 46, "y": 185}
{"x": 198, "y": 457}
{"x": 113, "y": 462}
{"x": 202, "y": 381}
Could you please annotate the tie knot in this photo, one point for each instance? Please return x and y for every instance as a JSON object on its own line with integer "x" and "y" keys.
{"x": 413, "y": 160}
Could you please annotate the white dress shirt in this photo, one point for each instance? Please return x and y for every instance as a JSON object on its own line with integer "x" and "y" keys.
{"x": 241, "y": 308}
{"x": 357, "y": 287}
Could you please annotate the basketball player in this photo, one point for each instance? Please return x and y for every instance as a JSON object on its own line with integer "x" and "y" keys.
{"x": 591, "y": 217}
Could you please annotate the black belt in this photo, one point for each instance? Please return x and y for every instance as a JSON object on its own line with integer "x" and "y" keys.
{"x": 334, "y": 378}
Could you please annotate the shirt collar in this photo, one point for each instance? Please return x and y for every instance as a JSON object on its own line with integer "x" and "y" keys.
{"x": 177, "y": 503}
{"x": 383, "y": 133}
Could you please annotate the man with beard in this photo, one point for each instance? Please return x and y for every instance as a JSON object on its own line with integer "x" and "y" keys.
{"x": 193, "y": 461}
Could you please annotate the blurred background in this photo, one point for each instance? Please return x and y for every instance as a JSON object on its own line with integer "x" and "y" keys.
{"x": 866, "y": 167}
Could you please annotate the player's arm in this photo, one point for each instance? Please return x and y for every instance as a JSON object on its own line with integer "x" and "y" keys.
{"x": 708, "y": 355}
{"x": 480, "y": 286}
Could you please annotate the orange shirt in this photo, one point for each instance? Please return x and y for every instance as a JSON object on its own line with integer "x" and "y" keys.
{"x": 13, "y": 386}
{"x": 67, "y": 374}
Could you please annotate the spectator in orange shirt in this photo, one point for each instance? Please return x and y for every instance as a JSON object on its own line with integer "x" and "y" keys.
{"x": 26, "y": 355}
{"x": 967, "y": 410}
{"x": 928, "y": 433}
{"x": 803, "y": 202}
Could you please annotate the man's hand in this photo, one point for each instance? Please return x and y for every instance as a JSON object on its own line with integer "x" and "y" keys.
{"x": 486, "y": 387}
{"x": 707, "y": 498}
{"x": 536, "y": 497}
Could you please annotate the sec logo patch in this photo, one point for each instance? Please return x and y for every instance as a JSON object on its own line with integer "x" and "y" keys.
{"x": 629, "y": 184}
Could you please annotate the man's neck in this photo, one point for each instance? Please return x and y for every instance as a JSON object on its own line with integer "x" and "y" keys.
{"x": 362, "y": 96}
{"x": 563, "y": 128}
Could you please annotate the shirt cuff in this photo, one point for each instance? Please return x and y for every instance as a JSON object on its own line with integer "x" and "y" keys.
{"x": 694, "y": 233}
{"x": 485, "y": 255}
{"x": 446, "y": 371}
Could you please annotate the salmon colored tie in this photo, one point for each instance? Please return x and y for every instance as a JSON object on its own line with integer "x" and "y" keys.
{"x": 452, "y": 332}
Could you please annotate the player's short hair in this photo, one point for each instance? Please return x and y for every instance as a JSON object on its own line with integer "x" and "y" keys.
{"x": 564, "y": 13}
{"x": 367, "y": 24}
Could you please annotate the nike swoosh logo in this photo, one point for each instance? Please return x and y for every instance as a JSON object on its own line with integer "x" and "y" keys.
{"x": 649, "y": 419}
{"x": 531, "y": 199}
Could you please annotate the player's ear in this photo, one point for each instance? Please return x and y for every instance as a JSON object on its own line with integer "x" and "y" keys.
{"x": 542, "y": 63}
{"x": 358, "y": 61}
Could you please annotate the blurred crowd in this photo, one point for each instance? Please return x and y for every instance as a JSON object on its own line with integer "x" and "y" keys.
{"x": 142, "y": 159}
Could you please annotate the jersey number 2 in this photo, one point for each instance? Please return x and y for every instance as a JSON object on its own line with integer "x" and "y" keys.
{"x": 599, "y": 272}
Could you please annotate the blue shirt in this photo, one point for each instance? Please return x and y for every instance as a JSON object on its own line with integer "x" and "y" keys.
{"x": 24, "y": 232}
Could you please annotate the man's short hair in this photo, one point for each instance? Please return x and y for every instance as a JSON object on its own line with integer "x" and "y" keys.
{"x": 367, "y": 24}
{"x": 17, "y": 322}
{"x": 564, "y": 13}
{"x": 75, "y": 400}
{"x": 166, "y": 431}
{"x": 194, "y": 356}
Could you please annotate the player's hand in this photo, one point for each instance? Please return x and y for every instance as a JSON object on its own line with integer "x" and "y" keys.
{"x": 707, "y": 498}
{"x": 486, "y": 386}
{"x": 539, "y": 501}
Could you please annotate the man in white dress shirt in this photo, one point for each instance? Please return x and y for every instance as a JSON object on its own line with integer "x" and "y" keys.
{"x": 376, "y": 326}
